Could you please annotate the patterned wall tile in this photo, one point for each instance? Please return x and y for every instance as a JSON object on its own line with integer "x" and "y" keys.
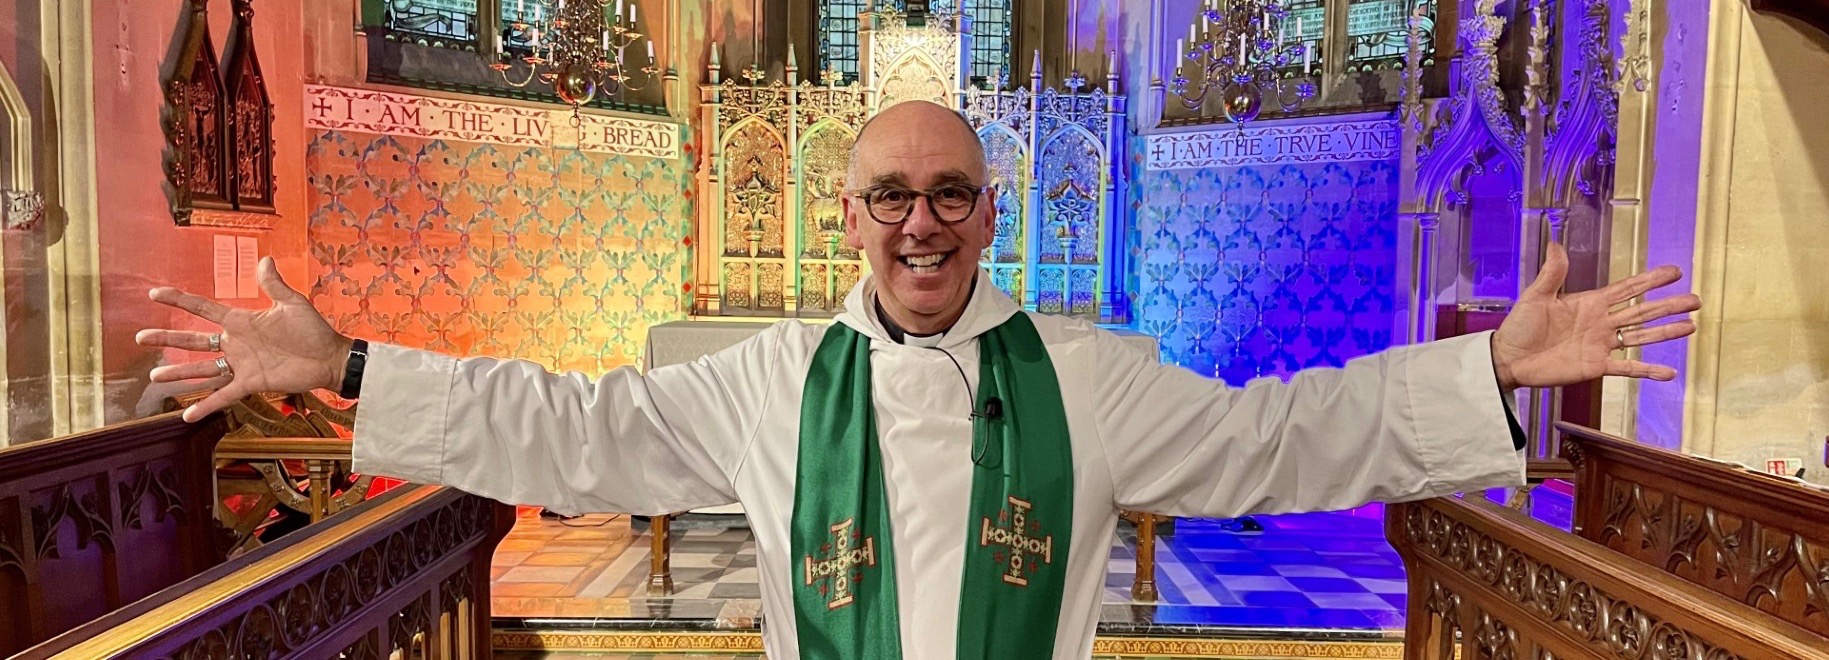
{"x": 1265, "y": 270}
{"x": 556, "y": 256}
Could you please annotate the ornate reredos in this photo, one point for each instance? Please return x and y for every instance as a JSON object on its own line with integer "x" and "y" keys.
{"x": 773, "y": 220}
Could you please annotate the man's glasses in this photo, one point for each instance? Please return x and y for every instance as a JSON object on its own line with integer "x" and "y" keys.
{"x": 951, "y": 203}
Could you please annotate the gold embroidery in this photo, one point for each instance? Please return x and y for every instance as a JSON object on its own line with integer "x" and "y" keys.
{"x": 843, "y": 565}
{"x": 1021, "y": 547}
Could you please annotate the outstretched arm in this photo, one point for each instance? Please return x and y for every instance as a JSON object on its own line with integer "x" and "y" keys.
{"x": 665, "y": 441}
{"x": 1409, "y": 423}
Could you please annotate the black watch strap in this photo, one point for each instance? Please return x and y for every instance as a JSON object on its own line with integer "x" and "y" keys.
{"x": 352, "y": 376}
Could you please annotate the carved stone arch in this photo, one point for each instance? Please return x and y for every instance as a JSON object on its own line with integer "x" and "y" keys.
{"x": 23, "y": 202}
{"x": 915, "y": 77}
{"x": 1474, "y": 116}
{"x": 1586, "y": 122}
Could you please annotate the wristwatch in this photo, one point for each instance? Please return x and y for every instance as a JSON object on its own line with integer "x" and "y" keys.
{"x": 352, "y": 375}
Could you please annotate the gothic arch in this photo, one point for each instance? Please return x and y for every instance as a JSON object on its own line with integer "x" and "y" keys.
{"x": 23, "y": 204}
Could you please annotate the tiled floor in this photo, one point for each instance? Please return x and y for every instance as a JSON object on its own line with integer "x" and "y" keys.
{"x": 1323, "y": 571}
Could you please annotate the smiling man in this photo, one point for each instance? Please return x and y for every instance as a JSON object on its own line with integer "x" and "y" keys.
{"x": 937, "y": 474}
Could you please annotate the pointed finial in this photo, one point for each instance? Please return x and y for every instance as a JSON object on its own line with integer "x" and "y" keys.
{"x": 1035, "y": 73}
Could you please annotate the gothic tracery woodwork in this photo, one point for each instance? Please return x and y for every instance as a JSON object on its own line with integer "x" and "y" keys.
{"x": 1054, "y": 213}
{"x": 219, "y": 127}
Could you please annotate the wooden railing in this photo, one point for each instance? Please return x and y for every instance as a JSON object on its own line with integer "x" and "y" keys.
{"x": 94, "y": 521}
{"x": 1673, "y": 557}
{"x": 407, "y": 572}
{"x": 1756, "y": 538}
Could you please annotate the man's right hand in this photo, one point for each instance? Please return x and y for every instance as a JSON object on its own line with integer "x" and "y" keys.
{"x": 287, "y": 347}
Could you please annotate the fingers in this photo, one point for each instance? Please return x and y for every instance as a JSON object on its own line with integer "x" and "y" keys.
{"x": 190, "y": 370}
{"x": 1663, "y": 307}
{"x": 180, "y": 339}
{"x": 1551, "y": 275}
{"x": 223, "y": 397}
{"x": 1660, "y": 333}
{"x": 1637, "y": 369}
{"x": 276, "y": 287}
{"x": 1637, "y": 285}
{"x": 208, "y": 310}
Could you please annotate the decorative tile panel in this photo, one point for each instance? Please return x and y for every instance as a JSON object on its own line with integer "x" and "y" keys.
{"x": 1266, "y": 269}
{"x": 552, "y": 255}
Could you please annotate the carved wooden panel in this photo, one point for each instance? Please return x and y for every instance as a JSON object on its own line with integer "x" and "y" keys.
{"x": 1758, "y": 539}
{"x": 250, "y": 118}
{"x": 92, "y": 522}
{"x": 1496, "y": 584}
{"x": 195, "y": 124}
{"x": 219, "y": 127}
{"x": 412, "y": 578}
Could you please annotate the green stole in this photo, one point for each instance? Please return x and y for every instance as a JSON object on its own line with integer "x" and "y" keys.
{"x": 1018, "y": 525}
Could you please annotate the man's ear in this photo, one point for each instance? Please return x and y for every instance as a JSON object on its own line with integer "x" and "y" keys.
{"x": 852, "y": 238}
{"x": 990, "y": 211}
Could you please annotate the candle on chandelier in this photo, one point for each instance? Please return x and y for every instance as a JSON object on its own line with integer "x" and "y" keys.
{"x": 498, "y": 44}
{"x": 519, "y": 10}
{"x": 1306, "y": 54}
{"x": 1241, "y": 50}
{"x": 650, "y": 51}
{"x": 1181, "y": 48}
{"x": 606, "y": 39}
{"x": 631, "y": 15}
{"x": 1191, "y": 36}
{"x": 561, "y": 6}
{"x": 619, "y": 10}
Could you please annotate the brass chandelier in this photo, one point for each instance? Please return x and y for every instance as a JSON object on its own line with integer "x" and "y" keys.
{"x": 579, "y": 47}
{"x": 1241, "y": 49}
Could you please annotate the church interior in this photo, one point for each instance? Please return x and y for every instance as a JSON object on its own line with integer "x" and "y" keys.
{"x": 1249, "y": 188}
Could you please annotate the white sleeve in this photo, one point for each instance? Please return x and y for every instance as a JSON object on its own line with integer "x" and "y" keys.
{"x": 1409, "y": 423}
{"x": 662, "y": 442}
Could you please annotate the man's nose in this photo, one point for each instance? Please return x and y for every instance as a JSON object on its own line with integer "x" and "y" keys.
{"x": 921, "y": 222}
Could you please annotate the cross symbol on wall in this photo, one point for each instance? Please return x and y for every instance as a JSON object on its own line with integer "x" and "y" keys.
{"x": 1022, "y": 547}
{"x": 321, "y": 106}
{"x": 842, "y": 566}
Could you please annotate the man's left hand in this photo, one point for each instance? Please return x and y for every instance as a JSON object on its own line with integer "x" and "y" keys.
{"x": 1551, "y": 340}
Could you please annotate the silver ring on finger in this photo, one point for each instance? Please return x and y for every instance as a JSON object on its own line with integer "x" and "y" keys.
{"x": 216, "y": 342}
{"x": 1619, "y": 335}
{"x": 222, "y": 367}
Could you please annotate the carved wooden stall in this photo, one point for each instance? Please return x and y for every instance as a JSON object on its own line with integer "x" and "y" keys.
{"x": 94, "y": 521}
{"x": 403, "y": 575}
{"x": 1674, "y": 557}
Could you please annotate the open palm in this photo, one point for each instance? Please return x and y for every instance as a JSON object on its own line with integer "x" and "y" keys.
{"x": 1551, "y": 340}
{"x": 287, "y": 347}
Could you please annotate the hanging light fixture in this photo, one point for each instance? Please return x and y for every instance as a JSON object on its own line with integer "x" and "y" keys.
{"x": 579, "y": 47}
{"x": 1240, "y": 48}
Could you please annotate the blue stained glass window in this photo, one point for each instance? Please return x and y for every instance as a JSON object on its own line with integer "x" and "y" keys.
{"x": 1376, "y": 30}
{"x": 991, "y": 23}
{"x": 838, "y": 48}
{"x": 1313, "y": 25}
{"x": 433, "y": 22}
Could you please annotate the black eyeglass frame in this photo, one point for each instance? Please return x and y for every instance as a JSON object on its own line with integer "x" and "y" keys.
{"x": 865, "y": 195}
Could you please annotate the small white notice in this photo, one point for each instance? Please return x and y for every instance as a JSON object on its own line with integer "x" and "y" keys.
{"x": 224, "y": 263}
{"x": 247, "y": 263}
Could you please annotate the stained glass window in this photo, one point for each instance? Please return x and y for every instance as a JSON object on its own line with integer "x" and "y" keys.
{"x": 1307, "y": 23}
{"x": 991, "y": 22}
{"x": 838, "y": 34}
{"x": 432, "y": 22}
{"x": 1376, "y": 30}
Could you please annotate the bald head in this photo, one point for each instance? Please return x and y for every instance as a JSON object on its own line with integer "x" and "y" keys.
{"x": 911, "y": 129}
